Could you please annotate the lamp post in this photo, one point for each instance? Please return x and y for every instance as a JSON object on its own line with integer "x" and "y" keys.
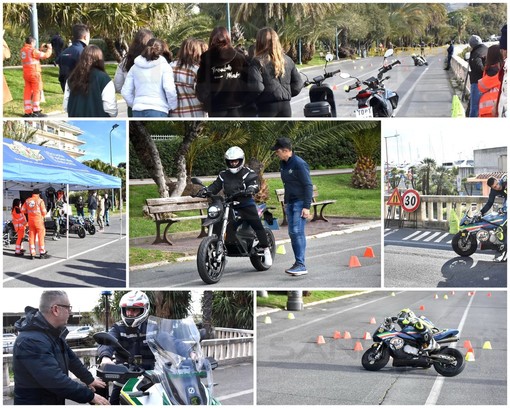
{"x": 111, "y": 163}
{"x": 106, "y": 296}
{"x": 387, "y": 162}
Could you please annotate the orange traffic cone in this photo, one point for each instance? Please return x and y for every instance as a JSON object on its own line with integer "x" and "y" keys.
{"x": 347, "y": 335}
{"x": 354, "y": 262}
{"x": 372, "y": 320}
{"x": 489, "y": 294}
{"x": 369, "y": 253}
{"x": 334, "y": 88}
{"x": 367, "y": 336}
{"x": 471, "y": 351}
{"x": 422, "y": 307}
{"x": 337, "y": 335}
{"x": 358, "y": 346}
{"x": 467, "y": 344}
{"x": 320, "y": 340}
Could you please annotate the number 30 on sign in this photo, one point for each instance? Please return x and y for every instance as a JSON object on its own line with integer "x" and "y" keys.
{"x": 410, "y": 200}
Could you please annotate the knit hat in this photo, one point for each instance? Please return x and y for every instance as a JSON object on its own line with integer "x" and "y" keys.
{"x": 502, "y": 39}
{"x": 474, "y": 40}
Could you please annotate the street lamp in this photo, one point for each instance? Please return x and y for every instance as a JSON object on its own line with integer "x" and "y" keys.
{"x": 111, "y": 163}
{"x": 387, "y": 161}
{"x": 106, "y": 297}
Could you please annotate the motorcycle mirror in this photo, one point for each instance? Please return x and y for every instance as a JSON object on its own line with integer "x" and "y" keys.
{"x": 329, "y": 57}
{"x": 345, "y": 75}
{"x": 106, "y": 339}
{"x": 196, "y": 180}
{"x": 388, "y": 53}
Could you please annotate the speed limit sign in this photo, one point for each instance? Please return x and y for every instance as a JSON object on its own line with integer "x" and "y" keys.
{"x": 410, "y": 200}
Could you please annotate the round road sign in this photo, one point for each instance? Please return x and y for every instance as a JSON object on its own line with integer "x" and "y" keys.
{"x": 410, "y": 200}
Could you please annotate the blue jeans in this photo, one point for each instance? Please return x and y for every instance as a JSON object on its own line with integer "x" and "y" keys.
{"x": 297, "y": 230}
{"x": 149, "y": 113}
{"x": 107, "y": 216}
{"x": 474, "y": 101}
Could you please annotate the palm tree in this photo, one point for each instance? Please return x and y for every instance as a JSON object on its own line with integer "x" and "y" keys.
{"x": 20, "y": 131}
{"x": 366, "y": 143}
{"x": 427, "y": 168}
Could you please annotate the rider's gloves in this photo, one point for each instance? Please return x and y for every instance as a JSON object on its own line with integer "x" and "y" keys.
{"x": 202, "y": 192}
{"x": 250, "y": 190}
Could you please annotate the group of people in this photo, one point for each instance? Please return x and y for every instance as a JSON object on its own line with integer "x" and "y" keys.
{"x": 488, "y": 77}
{"x": 214, "y": 79}
{"x": 99, "y": 209}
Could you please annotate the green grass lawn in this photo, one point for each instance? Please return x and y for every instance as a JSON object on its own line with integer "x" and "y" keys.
{"x": 141, "y": 256}
{"x": 279, "y": 299}
{"x": 353, "y": 203}
{"x": 52, "y": 90}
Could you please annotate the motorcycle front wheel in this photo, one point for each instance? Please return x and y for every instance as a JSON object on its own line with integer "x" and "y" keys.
{"x": 257, "y": 260}
{"x": 92, "y": 229}
{"x": 373, "y": 360}
{"x": 453, "y": 368}
{"x": 81, "y": 232}
{"x": 210, "y": 267}
{"x": 463, "y": 246}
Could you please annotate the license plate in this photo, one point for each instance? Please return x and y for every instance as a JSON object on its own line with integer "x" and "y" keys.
{"x": 364, "y": 113}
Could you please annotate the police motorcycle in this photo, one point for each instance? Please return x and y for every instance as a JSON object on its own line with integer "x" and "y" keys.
{"x": 488, "y": 230}
{"x": 404, "y": 346}
{"x": 322, "y": 99}
{"x": 181, "y": 376}
{"x": 222, "y": 242}
{"x": 374, "y": 100}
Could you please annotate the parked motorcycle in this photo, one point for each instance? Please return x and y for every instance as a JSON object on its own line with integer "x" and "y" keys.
{"x": 181, "y": 376}
{"x": 404, "y": 347}
{"x": 322, "y": 99}
{"x": 223, "y": 242}
{"x": 9, "y": 234}
{"x": 75, "y": 226}
{"x": 419, "y": 60}
{"x": 88, "y": 224}
{"x": 374, "y": 100}
{"x": 489, "y": 230}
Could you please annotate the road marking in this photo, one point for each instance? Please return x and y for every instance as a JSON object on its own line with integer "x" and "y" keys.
{"x": 435, "y": 234}
{"x": 389, "y": 232}
{"x": 235, "y": 394}
{"x": 412, "y": 235}
{"x": 409, "y": 92}
{"x": 442, "y": 236}
{"x": 57, "y": 262}
{"x": 421, "y": 236}
{"x": 438, "y": 384}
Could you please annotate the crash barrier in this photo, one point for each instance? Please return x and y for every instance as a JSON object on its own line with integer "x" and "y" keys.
{"x": 280, "y": 194}
{"x": 237, "y": 348}
{"x": 164, "y": 211}
{"x": 435, "y": 210}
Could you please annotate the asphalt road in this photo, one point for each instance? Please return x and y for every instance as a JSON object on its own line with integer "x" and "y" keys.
{"x": 423, "y": 91}
{"x": 97, "y": 260}
{"x": 293, "y": 369}
{"x": 327, "y": 262}
{"x": 415, "y": 258}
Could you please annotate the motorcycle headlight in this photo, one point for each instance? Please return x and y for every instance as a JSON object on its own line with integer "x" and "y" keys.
{"x": 213, "y": 211}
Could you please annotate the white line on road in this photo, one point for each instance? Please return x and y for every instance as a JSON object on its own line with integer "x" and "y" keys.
{"x": 435, "y": 234}
{"x": 409, "y": 92}
{"x": 235, "y": 394}
{"x": 412, "y": 235}
{"x": 438, "y": 384}
{"x": 421, "y": 236}
{"x": 441, "y": 237}
{"x": 60, "y": 261}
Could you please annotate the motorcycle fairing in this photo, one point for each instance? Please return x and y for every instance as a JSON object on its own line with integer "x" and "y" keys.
{"x": 445, "y": 334}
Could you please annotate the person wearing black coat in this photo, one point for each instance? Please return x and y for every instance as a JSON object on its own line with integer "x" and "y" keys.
{"x": 222, "y": 77}
{"x": 272, "y": 76}
{"x": 476, "y": 67}
{"x": 42, "y": 358}
{"x": 68, "y": 58}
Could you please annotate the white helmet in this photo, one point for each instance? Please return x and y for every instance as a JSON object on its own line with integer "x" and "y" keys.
{"x": 235, "y": 153}
{"x": 134, "y": 300}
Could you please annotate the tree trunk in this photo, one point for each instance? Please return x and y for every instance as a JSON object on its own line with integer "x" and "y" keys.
{"x": 192, "y": 131}
{"x": 148, "y": 153}
{"x": 207, "y": 306}
{"x": 110, "y": 44}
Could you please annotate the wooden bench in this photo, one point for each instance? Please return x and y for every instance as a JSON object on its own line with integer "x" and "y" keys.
{"x": 158, "y": 207}
{"x": 280, "y": 194}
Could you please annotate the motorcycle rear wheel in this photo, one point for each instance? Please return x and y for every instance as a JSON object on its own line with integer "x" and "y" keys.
{"x": 256, "y": 260}
{"x": 450, "y": 369}
{"x": 371, "y": 363}
{"x": 210, "y": 269}
{"x": 464, "y": 247}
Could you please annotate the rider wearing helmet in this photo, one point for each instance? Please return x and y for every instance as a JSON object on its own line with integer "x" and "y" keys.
{"x": 406, "y": 317}
{"x": 131, "y": 333}
{"x": 237, "y": 178}
{"x": 498, "y": 189}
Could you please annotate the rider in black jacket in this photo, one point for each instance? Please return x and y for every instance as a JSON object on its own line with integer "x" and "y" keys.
{"x": 498, "y": 189}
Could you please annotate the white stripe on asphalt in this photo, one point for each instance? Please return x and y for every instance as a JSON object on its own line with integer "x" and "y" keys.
{"x": 421, "y": 236}
{"x": 57, "y": 262}
{"x": 435, "y": 234}
{"x": 389, "y": 232}
{"x": 412, "y": 235}
{"x": 438, "y": 384}
{"x": 441, "y": 237}
{"x": 235, "y": 394}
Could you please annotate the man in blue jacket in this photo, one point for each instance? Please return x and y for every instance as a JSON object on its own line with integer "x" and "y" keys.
{"x": 68, "y": 59}
{"x": 42, "y": 358}
{"x": 295, "y": 175}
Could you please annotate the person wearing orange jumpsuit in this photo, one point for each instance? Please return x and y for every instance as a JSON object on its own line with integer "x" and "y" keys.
{"x": 19, "y": 222}
{"x": 36, "y": 210}
{"x": 30, "y": 59}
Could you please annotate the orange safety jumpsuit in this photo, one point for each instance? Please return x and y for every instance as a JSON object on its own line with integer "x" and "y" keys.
{"x": 36, "y": 210}
{"x": 19, "y": 222}
{"x": 30, "y": 58}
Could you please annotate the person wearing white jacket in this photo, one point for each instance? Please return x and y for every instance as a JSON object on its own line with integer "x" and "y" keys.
{"x": 149, "y": 88}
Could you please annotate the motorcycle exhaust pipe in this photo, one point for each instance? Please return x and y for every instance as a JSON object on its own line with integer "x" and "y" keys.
{"x": 448, "y": 340}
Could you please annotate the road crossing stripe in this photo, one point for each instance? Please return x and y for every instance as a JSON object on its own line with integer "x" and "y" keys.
{"x": 412, "y": 235}
{"x": 441, "y": 237}
{"x": 421, "y": 236}
{"x": 435, "y": 234}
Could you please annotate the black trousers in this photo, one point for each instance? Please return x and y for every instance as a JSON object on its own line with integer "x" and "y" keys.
{"x": 251, "y": 216}
{"x": 280, "y": 109}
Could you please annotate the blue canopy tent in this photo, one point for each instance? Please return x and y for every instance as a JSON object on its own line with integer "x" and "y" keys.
{"x": 28, "y": 166}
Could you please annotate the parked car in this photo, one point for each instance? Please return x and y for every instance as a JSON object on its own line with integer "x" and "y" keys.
{"x": 79, "y": 333}
{"x": 9, "y": 339}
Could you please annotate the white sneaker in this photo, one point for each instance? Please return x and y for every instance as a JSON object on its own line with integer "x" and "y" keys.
{"x": 268, "y": 259}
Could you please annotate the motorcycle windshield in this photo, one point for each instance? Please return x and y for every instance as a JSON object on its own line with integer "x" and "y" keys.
{"x": 180, "y": 363}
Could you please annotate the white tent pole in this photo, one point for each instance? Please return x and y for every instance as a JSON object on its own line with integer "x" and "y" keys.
{"x": 120, "y": 208}
{"x": 67, "y": 221}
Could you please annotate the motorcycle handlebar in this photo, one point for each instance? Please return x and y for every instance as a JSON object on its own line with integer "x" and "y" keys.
{"x": 323, "y": 77}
